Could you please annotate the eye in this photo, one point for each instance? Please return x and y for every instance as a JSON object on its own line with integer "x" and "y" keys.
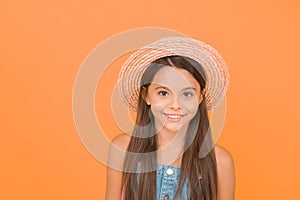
{"x": 163, "y": 93}
{"x": 188, "y": 94}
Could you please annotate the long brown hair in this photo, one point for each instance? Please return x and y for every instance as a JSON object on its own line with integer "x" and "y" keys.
{"x": 141, "y": 151}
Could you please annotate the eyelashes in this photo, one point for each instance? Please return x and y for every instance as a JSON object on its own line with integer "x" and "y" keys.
{"x": 165, "y": 93}
{"x": 188, "y": 94}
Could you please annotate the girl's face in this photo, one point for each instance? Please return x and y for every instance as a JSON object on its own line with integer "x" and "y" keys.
{"x": 174, "y": 96}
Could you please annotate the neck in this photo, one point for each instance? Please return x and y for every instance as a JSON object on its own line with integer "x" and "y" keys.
{"x": 170, "y": 146}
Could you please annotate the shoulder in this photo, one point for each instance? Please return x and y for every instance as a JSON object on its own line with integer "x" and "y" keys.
{"x": 223, "y": 157}
{"x": 121, "y": 141}
{"x": 114, "y": 172}
{"x": 226, "y": 173}
{"x": 117, "y": 151}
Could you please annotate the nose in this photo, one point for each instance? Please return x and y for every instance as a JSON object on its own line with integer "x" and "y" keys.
{"x": 175, "y": 104}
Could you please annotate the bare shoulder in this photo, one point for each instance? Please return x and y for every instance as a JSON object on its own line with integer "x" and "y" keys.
{"x": 117, "y": 151}
{"x": 115, "y": 159}
{"x": 226, "y": 174}
{"x": 224, "y": 158}
{"x": 121, "y": 141}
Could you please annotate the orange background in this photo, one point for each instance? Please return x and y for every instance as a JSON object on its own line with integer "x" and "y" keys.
{"x": 43, "y": 44}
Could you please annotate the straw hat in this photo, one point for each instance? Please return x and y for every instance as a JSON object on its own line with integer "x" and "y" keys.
{"x": 216, "y": 70}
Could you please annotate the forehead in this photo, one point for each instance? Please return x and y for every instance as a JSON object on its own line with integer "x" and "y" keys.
{"x": 174, "y": 78}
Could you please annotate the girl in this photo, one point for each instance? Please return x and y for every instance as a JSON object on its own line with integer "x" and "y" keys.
{"x": 171, "y": 84}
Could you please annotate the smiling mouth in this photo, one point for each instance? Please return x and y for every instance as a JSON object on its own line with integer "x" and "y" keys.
{"x": 174, "y": 117}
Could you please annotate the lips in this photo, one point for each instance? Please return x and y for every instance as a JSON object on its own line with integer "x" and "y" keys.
{"x": 174, "y": 117}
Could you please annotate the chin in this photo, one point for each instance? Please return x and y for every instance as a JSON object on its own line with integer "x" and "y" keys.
{"x": 173, "y": 129}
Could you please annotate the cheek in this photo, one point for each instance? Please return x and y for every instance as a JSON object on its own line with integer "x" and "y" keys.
{"x": 156, "y": 108}
{"x": 157, "y": 101}
{"x": 157, "y": 111}
{"x": 192, "y": 106}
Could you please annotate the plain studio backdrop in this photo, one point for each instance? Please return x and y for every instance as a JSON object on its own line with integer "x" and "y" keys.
{"x": 43, "y": 44}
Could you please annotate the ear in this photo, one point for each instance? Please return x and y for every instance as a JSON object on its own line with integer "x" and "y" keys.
{"x": 146, "y": 99}
{"x": 201, "y": 97}
{"x": 145, "y": 96}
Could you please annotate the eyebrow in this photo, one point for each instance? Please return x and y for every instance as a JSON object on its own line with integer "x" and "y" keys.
{"x": 187, "y": 88}
{"x": 163, "y": 87}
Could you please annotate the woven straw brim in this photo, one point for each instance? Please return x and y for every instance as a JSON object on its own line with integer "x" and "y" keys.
{"x": 215, "y": 68}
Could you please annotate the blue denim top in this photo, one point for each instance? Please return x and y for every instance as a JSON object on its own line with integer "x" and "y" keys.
{"x": 167, "y": 178}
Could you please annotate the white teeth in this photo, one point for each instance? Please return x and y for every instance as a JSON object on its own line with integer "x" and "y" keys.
{"x": 173, "y": 116}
